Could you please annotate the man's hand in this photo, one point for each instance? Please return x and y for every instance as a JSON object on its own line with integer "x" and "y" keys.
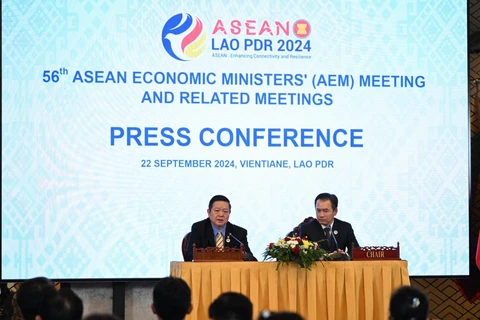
{"x": 339, "y": 255}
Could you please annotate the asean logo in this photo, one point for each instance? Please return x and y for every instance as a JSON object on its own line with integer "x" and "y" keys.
{"x": 184, "y": 37}
{"x": 301, "y": 28}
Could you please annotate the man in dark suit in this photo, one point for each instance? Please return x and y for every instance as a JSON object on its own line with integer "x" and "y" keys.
{"x": 333, "y": 235}
{"x": 216, "y": 231}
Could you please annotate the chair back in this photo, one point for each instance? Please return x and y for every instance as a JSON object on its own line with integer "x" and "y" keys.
{"x": 296, "y": 231}
{"x": 184, "y": 246}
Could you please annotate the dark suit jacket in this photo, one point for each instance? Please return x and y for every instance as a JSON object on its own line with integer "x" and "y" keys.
{"x": 345, "y": 236}
{"x": 202, "y": 236}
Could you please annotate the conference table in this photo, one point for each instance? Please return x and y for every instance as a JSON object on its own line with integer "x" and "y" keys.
{"x": 331, "y": 290}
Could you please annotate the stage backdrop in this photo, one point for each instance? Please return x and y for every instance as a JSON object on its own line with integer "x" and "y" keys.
{"x": 120, "y": 120}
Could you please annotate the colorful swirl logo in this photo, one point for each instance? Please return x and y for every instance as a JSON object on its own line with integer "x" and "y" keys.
{"x": 184, "y": 37}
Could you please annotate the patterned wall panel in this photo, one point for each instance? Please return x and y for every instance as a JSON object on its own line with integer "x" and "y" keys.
{"x": 460, "y": 298}
{"x": 446, "y": 300}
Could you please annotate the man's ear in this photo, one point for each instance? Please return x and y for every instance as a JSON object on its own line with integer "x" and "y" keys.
{"x": 153, "y": 309}
{"x": 190, "y": 309}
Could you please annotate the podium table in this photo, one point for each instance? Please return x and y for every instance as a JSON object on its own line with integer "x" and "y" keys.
{"x": 331, "y": 290}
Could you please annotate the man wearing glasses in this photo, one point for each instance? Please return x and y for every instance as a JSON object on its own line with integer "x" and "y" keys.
{"x": 216, "y": 231}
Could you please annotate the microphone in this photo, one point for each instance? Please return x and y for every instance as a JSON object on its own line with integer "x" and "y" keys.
{"x": 339, "y": 256}
{"x": 231, "y": 235}
{"x": 246, "y": 256}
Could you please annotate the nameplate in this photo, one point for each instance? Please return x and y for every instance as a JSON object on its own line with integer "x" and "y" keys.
{"x": 376, "y": 253}
{"x": 217, "y": 254}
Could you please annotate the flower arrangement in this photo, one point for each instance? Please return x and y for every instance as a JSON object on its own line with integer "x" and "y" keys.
{"x": 295, "y": 249}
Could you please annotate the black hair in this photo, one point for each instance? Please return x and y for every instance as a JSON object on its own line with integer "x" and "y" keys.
{"x": 231, "y": 305}
{"x": 327, "y": 196}
{"x": 219, "y": 198}
{"x": 65, "y": 305}
{"x": 31, "y": 295}
{"x": 408, "y": 303}
{"x": 264, "y": 315}
{"x": 172, "y": 298}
